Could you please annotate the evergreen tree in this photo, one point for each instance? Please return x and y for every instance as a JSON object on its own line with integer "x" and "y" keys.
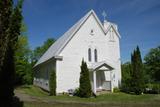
{"x": 137, "y": 75}
{"x": 10, "y": 23}
{"x": 52, "y": 83}
{"x": 6, "y": 88}
{"x": 85, "y": 85}
{"x": 5, "y": 16}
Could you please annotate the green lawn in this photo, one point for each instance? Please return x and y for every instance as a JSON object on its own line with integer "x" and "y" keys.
{"x": 109, "y": 99}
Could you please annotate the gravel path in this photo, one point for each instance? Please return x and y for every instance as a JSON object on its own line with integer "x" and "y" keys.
{"x": 26, "y": 97}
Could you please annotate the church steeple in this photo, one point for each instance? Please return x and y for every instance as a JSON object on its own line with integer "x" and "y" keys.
{"x": 104, "y": 15}
{"x": 105, "y": 22}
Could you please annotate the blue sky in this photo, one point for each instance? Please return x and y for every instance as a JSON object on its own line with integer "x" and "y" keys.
{"x": 138, "y": 20}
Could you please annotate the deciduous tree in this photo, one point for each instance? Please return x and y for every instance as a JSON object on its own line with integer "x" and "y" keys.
{"x": 23, "y": 64}
{"x": 152, "y": 64}
{"x": 126, "y": 77}
{"x": 39, "y": 51}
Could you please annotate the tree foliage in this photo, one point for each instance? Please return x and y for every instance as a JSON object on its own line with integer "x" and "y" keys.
{"x": 126, "y": 67}
{"x": 85, "y": 85}
{"x": 52, "y": 83}
{"x": 5, "y": 20}
{"x": 25, "y": 57}
{"x": 23, "y": 65}
{"x": 152, "y": 64}
{"x": 126, "y": 77}
{"x": 10, "y": 24}
{"x": 39, "y": 51}
{"x": 137, "y": 73}
{"x": 133, "y": 76}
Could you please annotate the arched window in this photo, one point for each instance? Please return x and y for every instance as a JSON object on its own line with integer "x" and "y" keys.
{"x": 95, "y": 55}
{"x": 111, "y": 36}
{"x": 89, "y": 55}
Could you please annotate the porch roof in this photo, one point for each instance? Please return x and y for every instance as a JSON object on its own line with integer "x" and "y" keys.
{"x": 103, "y": 65}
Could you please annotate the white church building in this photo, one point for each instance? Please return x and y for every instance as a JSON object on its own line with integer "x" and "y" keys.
{"x": 89, "y": 39}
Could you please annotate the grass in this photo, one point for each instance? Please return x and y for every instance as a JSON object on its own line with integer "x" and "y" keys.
{"x": 85, "y": 105}
{"x": 32, "y": 90}
{"x": 109, "y": 99}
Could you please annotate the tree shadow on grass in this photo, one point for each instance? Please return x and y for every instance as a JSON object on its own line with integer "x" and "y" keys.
{"x": 17, "y": 102}
{"x": 14, "y": 102}
{"x": 26, "y": 86}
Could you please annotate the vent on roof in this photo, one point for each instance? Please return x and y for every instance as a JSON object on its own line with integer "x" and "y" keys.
{"x": 92, "y": 32}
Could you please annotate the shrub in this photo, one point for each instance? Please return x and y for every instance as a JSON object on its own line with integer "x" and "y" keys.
{"x": 156, "y": 88}
{"x": 76, "y": 92}
{"x": 153, "y": 88}
{"x": 126, "y": 86}
{"x": 116, "y": 90}
{"x": 138, "y": 90}
{"x": 52, "y": 83}
{"x": 85, "y": 85}
{"x": 125, "y": 89}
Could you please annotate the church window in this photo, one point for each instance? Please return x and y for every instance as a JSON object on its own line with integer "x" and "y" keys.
{"x": 89, "y": 55}
{"x": 111, "y": 35}
{"x": 95, "y": 55}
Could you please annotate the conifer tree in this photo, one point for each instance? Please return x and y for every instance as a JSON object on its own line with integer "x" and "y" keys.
{"x": 85, "y": 85}
{"x": 137, "y": 76}
{"x": 5, "y": 17}
{"x": 52, "y": 83}
{"x": 10, "y": 23}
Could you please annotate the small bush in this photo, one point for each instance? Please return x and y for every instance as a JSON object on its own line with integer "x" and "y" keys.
{"x": 138, "y": 91}
{"x": 152, "y": 88}
{"x": 52, "y": 83}
{"x": 76, "y": 92}
{"x": 116, "y": 90}
{"x": 156, "y": 88}
{"x": 125, "y": 88}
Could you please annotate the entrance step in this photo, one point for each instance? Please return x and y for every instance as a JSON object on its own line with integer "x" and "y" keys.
{"x": 100, "y": 92}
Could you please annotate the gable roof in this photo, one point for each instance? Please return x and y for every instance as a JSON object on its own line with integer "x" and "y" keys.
{"x": 98, "y": 65}
{"x": 112, "y": 26}
{"x": 57, "y": 47}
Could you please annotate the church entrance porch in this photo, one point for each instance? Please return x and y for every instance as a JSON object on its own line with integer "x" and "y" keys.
{"x": 100, "y": 76}
{"x": 101, "y": 83}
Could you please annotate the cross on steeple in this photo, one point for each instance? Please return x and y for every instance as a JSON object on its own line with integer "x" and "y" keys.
{"x": 104, "y": 15}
